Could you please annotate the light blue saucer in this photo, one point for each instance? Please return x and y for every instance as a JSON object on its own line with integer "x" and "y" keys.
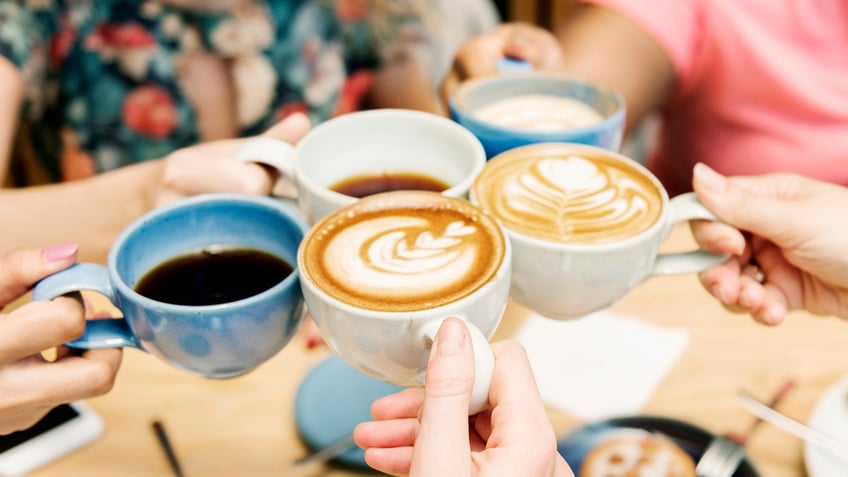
{"x": 332, "y": 399}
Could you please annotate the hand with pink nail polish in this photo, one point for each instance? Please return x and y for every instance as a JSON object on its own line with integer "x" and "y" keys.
{"x": 30, "y": 383}
{"x": 792, "y": 254}
{"x": 427, "y": 431}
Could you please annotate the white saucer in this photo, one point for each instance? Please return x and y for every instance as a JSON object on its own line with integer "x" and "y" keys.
{"x": 830, "y": 415}
{"x": 331, "y": 401}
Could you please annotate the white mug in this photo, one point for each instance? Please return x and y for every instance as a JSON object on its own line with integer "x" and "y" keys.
{"x": 565, "y": 279}
{"x": 380, "y": 141}
{"x": 384, "y": 326}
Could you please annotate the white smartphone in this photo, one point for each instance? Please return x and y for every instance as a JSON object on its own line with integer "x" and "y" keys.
{"x": 63, "y": 430}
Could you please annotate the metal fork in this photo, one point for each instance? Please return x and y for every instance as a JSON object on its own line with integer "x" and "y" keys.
{"x": 720, "y": 459}
{"x": 724, "y": 454}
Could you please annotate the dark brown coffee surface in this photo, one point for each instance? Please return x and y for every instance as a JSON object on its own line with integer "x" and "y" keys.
{"x": 365, "y": 185}
{"x": 212, "y": 276}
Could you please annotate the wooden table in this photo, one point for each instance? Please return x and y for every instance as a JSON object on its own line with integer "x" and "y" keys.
{"x": 245, "y": 426}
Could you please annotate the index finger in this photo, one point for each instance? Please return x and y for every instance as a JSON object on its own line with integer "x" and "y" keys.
{"x": 22, "y": 268}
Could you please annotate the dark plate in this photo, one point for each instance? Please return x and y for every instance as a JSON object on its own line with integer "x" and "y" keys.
{"x": 692, "y": 439}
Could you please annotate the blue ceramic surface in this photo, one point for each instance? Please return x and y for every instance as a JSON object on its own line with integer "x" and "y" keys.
{"x": 215, "y": 341}
{"x": 332, "y": 400}
{"x": 692, "y": 439}
{"x": 496, "y": 139}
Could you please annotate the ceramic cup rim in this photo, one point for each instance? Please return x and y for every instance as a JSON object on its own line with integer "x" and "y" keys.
{"x": 658, "y": 226}
{"x": 456, "y": 103}
{"x": 159, "y": 213}
{"x": 323, "y": 191}
{"x": 503, "y": 268}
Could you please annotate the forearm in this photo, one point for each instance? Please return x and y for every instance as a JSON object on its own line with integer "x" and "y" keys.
{"x": 404, "y": 84}
{"x": 608, "y": 48}
{"x": 90, "y": 212}
{"x": 10, "y": 102}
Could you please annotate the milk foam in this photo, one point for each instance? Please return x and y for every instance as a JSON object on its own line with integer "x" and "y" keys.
{"x": 396, "y": 256}
{"x": 568, "y": 198}
{"x": 404, "y": 259}
{"x": 539, "y": 112}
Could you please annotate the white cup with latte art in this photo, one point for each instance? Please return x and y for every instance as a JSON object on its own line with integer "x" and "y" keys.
{"x": 585, "y": 225}
{"x": 379, "y": 277}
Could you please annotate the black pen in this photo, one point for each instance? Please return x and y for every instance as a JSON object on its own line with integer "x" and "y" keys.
{"x": 165, "y": 443}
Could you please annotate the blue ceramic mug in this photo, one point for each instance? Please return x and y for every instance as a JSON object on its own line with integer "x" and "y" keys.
{"x": 473, "y": 95}
{"x": 218, "y": 340}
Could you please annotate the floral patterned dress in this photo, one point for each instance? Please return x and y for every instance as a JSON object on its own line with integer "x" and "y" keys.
{"x": 102, "y": 88}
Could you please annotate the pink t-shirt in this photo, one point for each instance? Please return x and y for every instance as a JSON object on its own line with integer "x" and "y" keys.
{"x": 762, "y": 86}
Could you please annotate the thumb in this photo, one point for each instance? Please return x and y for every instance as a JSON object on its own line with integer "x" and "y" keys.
{"x": 443, "y": 436}
{"x": 21, "y": 269}
{"x": 291, "y": 129}
{"x": 756, "y": 204}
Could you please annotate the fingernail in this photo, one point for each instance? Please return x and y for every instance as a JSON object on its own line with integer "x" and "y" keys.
{"x": 451, "y": 339}
{"x": 709, "y": 178}
{"x": 773, "y": 315}
{"x": 313, "y": 342}
{"x": 60, "y": 252}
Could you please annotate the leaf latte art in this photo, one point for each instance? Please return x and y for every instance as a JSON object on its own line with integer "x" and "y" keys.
{"x": 404, "y": 259}
{"x": 568, "y": 198}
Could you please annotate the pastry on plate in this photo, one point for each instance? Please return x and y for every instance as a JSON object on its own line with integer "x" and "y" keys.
{"x": 636, "y": 453}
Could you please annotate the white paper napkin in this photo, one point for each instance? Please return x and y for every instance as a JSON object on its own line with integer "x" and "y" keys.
{"x": 603, "y": 365}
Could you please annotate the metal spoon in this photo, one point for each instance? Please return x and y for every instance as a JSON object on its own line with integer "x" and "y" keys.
{"x": 327, "y": 453}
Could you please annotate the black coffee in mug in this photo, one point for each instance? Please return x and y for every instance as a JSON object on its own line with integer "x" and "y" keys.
{"x": 212, "y": 276}
{"x": 365, "y": 185}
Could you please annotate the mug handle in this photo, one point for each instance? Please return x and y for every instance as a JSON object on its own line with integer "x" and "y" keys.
{"x": 99, "y": 334}
{"x": 484, "y": 363}
{"x": 274, "y": 153}
{"x": 685, "y": 207}
{"x": 511, "y": 65}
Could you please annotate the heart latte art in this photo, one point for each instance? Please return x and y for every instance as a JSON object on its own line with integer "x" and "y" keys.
{"x": 562, "y": 196}
{"x": 422, "y": 251}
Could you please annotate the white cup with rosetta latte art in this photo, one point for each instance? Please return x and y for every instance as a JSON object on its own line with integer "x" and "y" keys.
{"x": 585, "y": 225}
{"x": 379, "y": 276}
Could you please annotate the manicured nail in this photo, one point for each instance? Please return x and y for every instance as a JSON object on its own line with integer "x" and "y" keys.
{"x": 451, "y": 338}
{"x": 709, "y": 178}
{"x": 313, "y": 342}
{"x": 61, "y": 252}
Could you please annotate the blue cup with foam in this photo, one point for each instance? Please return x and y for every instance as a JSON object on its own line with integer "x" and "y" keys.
{"x": 223, "y": 337}
{"x": 520, "y": 106}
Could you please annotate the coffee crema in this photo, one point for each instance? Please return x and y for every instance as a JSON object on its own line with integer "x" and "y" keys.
{"x": 557, "y": 194}
{"x": 539, "y": 112}
{"x": 369, "y": 184}
{"x": 402, "y": 251}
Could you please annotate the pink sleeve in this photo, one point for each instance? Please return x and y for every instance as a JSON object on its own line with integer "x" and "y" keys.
{"x": 675, "y": 24}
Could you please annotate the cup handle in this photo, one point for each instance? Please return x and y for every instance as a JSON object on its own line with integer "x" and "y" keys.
{"x": 484, "y": 363}
{"x": 105, "y": 333}
{"x": 512, "y": 65}
{"x": 274, "y": 153}
{"x": 687, "y": 207}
